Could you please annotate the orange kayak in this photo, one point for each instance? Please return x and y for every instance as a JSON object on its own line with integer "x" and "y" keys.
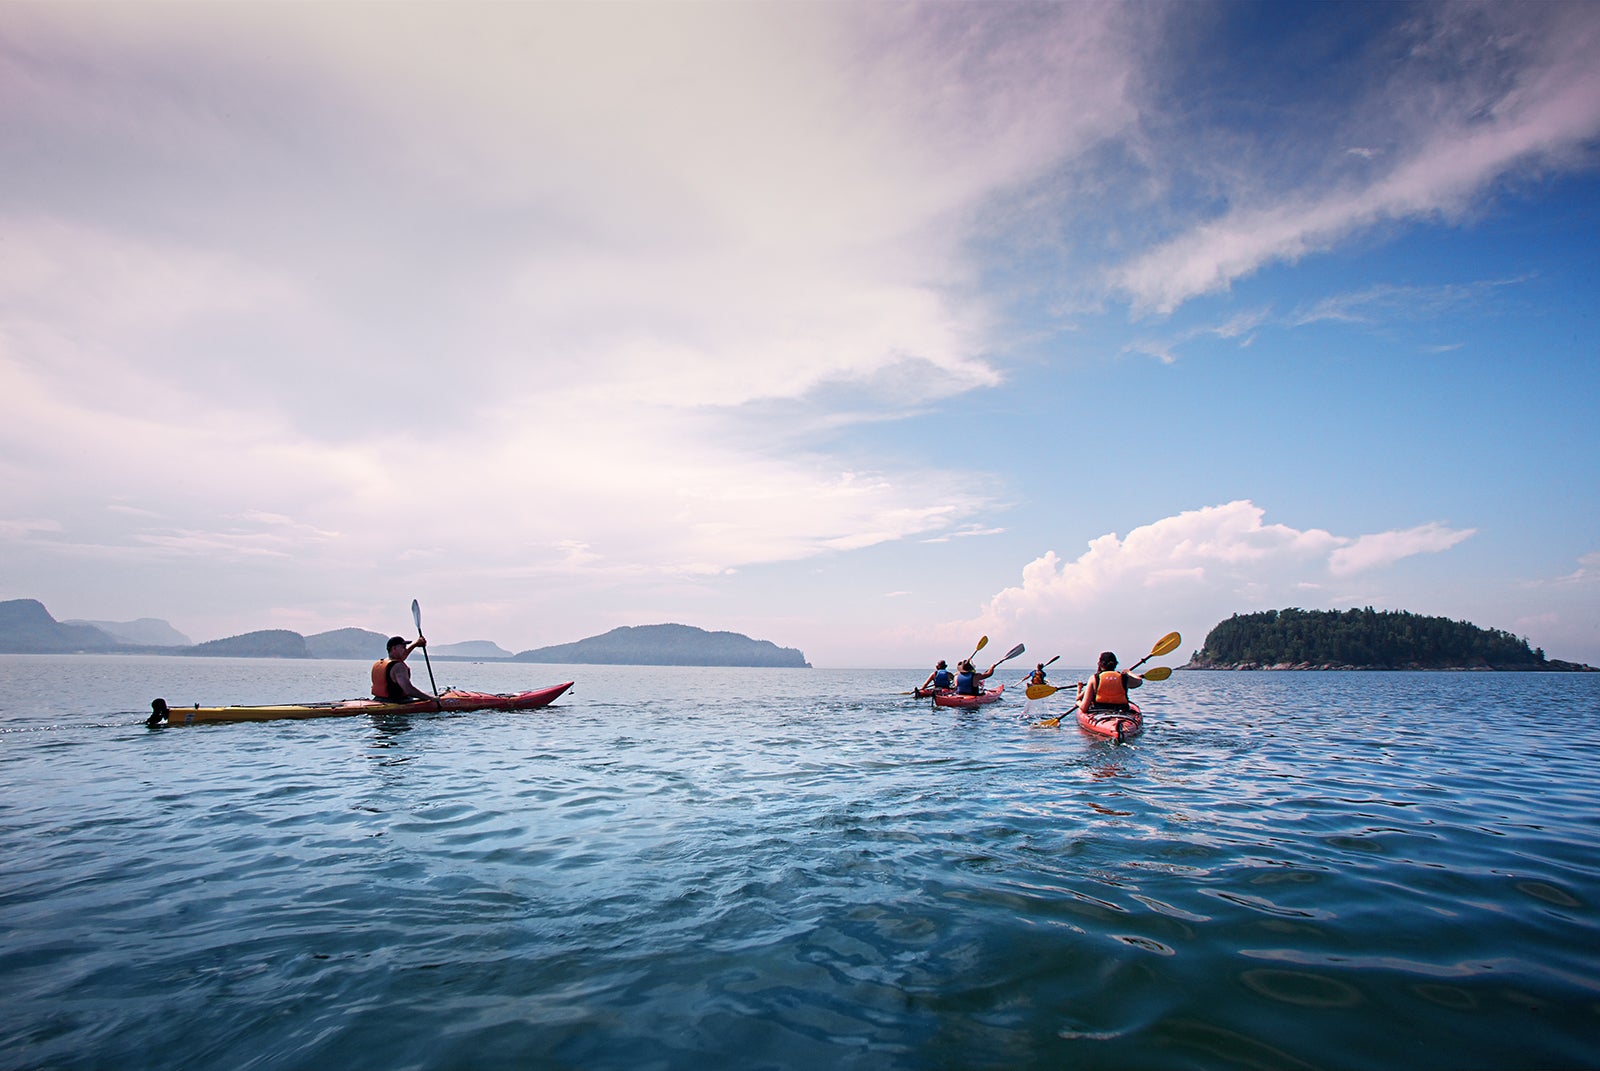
{"x": 1115, "y": 723}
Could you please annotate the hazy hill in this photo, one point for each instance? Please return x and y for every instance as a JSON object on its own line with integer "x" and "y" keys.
{"x": 346, "y": 643}
{"x": 26, "y": 627}
{"x": 145, "y": 632}
{"x": 668, "y": 645}
{"x": 1363, "y": 639}
{"x": 268, "y": 643}
{"x": 478, "y": 649}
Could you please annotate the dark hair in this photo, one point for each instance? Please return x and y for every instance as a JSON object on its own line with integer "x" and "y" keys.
{"x": 401, "y": 640}
{"x": 940, "y": 665}
{"x": 1108, "y": 660}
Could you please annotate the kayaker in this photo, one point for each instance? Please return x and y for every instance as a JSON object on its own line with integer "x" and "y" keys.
{"x": 941, "y": 677}
{"x": 968, "y": 680}
{"x": 391, "y": 677}
{"x": 1037, "y": 677}
{"x": 1107, "y": 689}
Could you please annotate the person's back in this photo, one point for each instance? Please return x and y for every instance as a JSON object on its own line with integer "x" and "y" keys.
{"x": 1108, "y": 688}
{"x": 967, "y": 680}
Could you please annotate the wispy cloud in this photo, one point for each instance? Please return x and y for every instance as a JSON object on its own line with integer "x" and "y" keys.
{"x": 1388, "y": 302}
{"x": 1385, "y": 548}
{"x": 1518, "y": 91}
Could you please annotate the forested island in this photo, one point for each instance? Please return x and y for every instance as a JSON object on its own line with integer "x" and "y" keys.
{"x": 1365, "y": 639}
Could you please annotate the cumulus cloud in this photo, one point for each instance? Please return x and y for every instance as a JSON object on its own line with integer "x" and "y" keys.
{"x": 1198, "y": 566}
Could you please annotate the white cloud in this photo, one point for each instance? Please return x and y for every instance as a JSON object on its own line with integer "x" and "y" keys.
{"x": 1456, "y": 140}
{"x": 1191, "y": 569}
{"x": 1386, "y": 548}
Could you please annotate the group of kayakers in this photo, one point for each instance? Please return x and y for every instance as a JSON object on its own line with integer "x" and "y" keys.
{"x": 966, "y": 680}
{"x": 1106, "y": 689}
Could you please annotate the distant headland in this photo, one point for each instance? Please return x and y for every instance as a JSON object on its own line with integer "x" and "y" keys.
{"x": 1366, "y": 639}
{"x": 26, "y": 627}
{"x": 669, "y": 645}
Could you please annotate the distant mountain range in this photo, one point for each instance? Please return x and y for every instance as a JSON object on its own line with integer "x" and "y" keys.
{"x": 26, "y": 627}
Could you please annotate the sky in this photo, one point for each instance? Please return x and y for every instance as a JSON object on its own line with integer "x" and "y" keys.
{"x": 868, "y": 329}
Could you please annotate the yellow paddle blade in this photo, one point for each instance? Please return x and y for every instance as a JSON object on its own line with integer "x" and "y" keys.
{"x": 1041, "y": 691}
{"x": 1166, "y": 645}
{"x": 1159, "y": 673}
{"x": 1048, "y": 723}
{"x": 983, "y": 641}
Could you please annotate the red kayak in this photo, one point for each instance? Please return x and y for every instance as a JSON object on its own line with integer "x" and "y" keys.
{"x": 1112, "y": 722}
{"x": 968, "y": 702}
{"x": 453, "y": 700}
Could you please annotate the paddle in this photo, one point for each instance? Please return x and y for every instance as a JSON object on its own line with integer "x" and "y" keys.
{"x": 1044, "y": 691}
{"x": 1165, "y": 645}
{"x": 1014, "y": 652}
{"x": 1159, "y": 673}
{"x": 416, "y": 615}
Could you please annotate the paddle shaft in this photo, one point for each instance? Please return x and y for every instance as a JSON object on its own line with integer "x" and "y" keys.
{"x": 416, "y": 617}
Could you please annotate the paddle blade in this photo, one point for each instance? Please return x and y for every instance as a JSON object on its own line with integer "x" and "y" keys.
{"x": 1042, "y": 691}
{"x": 1166, "y": 645}
{"x": 416, "y": 615}
{"x": 1048, "y": 723}
{"x": 1159, "y": 673}
{"x": 983, "y": 641}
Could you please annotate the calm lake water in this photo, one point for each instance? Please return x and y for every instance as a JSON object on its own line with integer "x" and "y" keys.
{"x": 698, "y": 868}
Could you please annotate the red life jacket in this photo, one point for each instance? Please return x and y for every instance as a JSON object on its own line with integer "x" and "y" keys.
{"x": 380, "y": 680}
{"x": 1107, "y": 690}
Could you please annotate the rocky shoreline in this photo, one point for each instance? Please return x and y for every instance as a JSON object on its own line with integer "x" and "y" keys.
{"x": 1549, "y": 666}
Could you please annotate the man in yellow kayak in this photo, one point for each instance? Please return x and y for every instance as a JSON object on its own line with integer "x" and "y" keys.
{"x": 391, "y": 677}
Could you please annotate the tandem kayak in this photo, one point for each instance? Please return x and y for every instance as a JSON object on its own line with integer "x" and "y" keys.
{"x": 968, "y": 702}
{"x": 452, "y": 700}
{"x": 1115, "y": 723}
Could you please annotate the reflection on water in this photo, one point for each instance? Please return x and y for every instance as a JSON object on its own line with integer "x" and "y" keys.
{"x": 796, "y": 869}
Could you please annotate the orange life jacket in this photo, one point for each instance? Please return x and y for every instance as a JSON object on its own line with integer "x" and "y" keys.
{"x": 1107, "y": 690}
{"x": 380, "y": 679}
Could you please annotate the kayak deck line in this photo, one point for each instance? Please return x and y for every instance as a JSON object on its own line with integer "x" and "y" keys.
{"x": 454, "y": 700}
